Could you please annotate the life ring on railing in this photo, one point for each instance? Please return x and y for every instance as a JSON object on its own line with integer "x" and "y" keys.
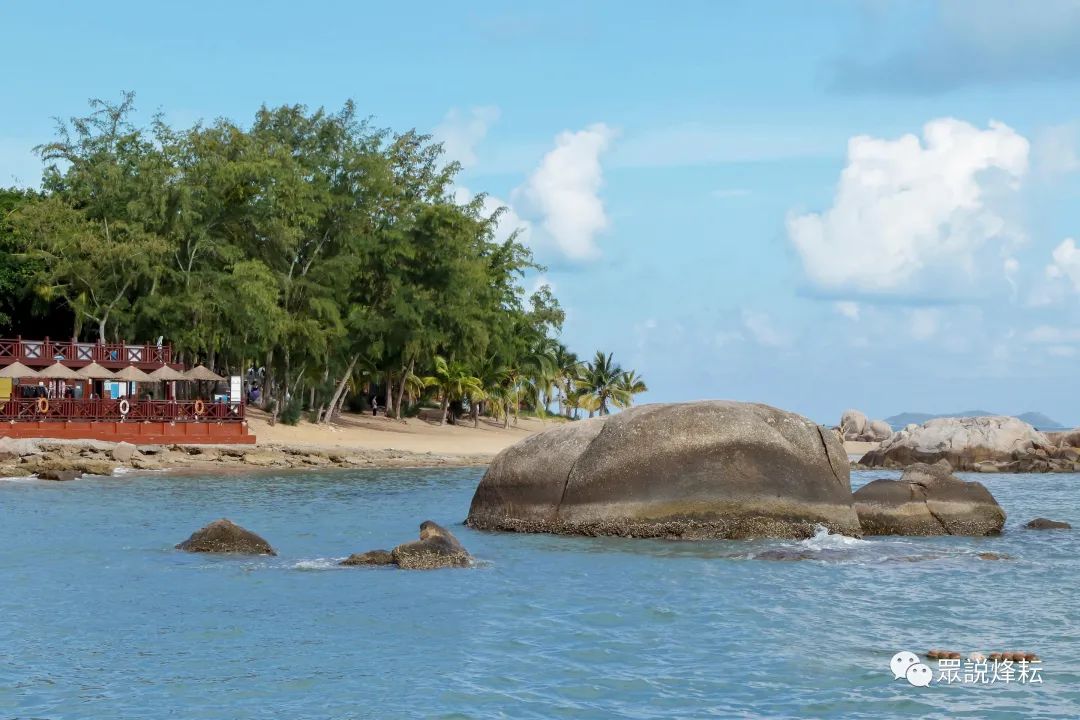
{"x": 200, "y": 407}
{"x": 43, "y": 405}
{"x": 125, "y": 407}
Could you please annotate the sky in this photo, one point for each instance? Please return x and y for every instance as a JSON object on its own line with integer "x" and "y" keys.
{"x": 818, "y": 206}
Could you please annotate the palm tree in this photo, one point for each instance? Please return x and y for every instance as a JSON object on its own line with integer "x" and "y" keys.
{"x": 453, "y": 382}
{"x": 633, "y": 385}
{"x": 567, "y": 370}
{"x": 602, "y": 380}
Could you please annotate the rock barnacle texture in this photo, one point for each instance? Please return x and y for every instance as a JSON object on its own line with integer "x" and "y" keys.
{"x": 711, "y": 469}
{"x": 928, "y": 500}
{"x": 225, "y": 536}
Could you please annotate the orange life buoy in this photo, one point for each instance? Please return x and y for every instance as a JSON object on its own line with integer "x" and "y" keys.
{"x": 125, "y": 407}
{"x": 43, "y": 405}
{"x": 200, "y": 407}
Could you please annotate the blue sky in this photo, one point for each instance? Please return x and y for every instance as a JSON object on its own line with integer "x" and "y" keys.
{"x": 815, "y": 205}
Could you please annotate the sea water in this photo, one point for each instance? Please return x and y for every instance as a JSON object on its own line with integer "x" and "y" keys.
{"x": 101, "y": 618}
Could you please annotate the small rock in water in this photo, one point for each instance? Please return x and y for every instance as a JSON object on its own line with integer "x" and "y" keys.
{"x": 436, "y": 548}
{"x": 225, "y": 536}
{"x": 994, "y": 556}
{"x": 371, "y": 557}
{"x": 62, "y": 475}
{"x": 1045, "y": 524}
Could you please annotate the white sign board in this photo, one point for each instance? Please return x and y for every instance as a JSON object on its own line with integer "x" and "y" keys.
{"x": 236, "y": 389}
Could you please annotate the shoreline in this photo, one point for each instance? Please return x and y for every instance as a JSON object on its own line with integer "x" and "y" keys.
{"x": 351, "y": 442}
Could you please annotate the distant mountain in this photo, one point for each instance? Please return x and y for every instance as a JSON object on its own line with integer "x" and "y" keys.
{"x": 1036, "y": 419}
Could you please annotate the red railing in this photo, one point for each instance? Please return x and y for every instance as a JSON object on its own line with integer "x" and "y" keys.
{"x": 77, "y": 354}
{"x": 33, "y": 409}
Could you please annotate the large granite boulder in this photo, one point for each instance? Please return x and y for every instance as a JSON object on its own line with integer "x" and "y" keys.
{"x": 987, "y": 444}
{"x": 711, "y": 469}
{"x": 928, "y": 500}
{"x": 853, "y": 424}
{"x": 225, "y": 536}
{"x": 436, "y": 548}
{"x": 879, "y": 430}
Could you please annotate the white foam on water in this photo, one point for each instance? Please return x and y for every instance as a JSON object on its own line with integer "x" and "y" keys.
{"x": 318, "y": 564}
{"x": 825, "y": 540}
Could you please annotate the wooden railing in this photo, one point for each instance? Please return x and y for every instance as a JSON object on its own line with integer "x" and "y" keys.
{"x": 77, "y": 354}
{"x": 33, "y": 409}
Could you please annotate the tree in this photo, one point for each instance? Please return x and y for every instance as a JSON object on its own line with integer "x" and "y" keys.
{"x": 631, "y": 384}
{"x": 453, "y": 381}
{"x": 602, "y": 381}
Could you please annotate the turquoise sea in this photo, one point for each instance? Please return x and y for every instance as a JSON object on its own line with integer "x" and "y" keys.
{"x": 101, "y": 618}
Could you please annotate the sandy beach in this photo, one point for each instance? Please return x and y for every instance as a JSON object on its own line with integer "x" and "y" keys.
{"x": 412, "y": 435}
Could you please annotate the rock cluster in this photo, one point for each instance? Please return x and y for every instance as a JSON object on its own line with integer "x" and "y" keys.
{"x": 855, "y": 426}
{"x": 1045, "y": 524}
{"x": 928, "y": 500}
{"x": 711, "y": 469}
{"x": 436, "y": 548}
{"x": 995, "y": 444}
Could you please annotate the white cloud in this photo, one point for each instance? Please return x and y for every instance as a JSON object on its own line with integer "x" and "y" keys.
{"x": 913, "y": 215}
{"x": 762, "y": 330}
{"x": 461, "y": 132}
{"x": 1051, "y": 335}
{"x": 848, "y": 309}
{"x": 1066, "y": 263}
{"x": 564, "y": 192}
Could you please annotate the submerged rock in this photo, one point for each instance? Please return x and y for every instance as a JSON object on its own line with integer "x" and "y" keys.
{"x": 60, "y": 474}
{"x": 225, "y": 536}
{"x": 712, "y": 469}
{"x": 371, "y": 557}
{"x": 436, "y": 548}
{"x": 928, "y": 500}
{"x": 1045, "y": 524}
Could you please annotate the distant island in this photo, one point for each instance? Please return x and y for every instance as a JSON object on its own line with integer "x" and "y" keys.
{"x": 1035, "y": 419}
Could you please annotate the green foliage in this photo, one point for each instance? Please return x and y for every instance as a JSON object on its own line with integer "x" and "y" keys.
{"x": 291, "y": 412}
{"x": 310, "y": 243}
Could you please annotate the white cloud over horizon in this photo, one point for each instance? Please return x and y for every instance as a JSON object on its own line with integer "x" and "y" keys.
{"x": 916, "y": 215}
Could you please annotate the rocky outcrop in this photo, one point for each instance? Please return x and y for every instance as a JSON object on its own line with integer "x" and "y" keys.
{"x": 225, "y": 536}
{"x": 855, "y": 426}
{"x": 96, "y": 457}
{"x": 436, "y": 548}
{"x": 928, "y": 500}
{"x": 1045, "y": 524}
{"x": 978, "y": 444}
{"x": 711, "y": 469}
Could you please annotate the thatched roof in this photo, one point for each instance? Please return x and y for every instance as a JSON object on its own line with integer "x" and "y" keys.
{"x": 200, "y": 372}
{"x": 132, "y": 374}
{"x": 59, "y": 371}
{"x": 93, "y": 371}
{"x": 18, "y": 370}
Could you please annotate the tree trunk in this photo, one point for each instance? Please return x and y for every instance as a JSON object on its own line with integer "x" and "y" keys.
{"x": 475, "y": 410}
{"x": 390, "y": 411}
{"x": 404, "y": 377}
{"x": 268, "y": 379}
{"x": 339, "y": 389}
{"x": 445, "y": 404}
